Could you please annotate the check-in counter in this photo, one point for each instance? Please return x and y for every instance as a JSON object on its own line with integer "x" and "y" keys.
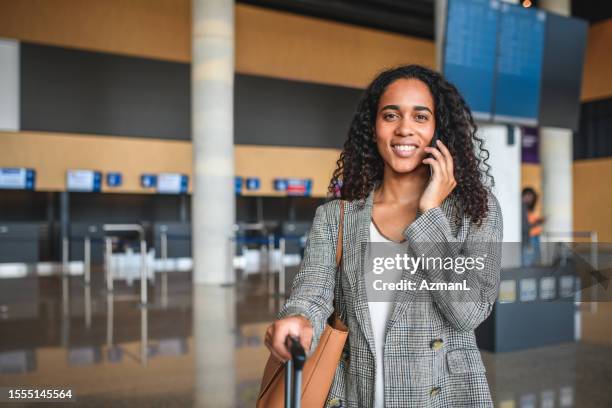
{"x": 177, "y": 236}
{"x": 78, "y": 233}
{"x": 536, "y": 307}
{"x": 20, "y": 242}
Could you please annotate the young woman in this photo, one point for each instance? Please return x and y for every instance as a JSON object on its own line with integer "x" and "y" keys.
{"x": 436, "y": 200}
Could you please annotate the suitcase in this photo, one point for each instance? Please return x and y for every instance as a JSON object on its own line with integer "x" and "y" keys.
{"x": 293, "y": 373}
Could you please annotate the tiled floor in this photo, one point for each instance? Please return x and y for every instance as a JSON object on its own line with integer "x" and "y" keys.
{"x": 203, "y": 347}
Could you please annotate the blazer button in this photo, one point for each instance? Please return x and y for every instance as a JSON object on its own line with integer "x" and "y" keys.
{"x": 436, "y": 344}
{"x": 336, "y": 403}
{"x": 434, "y": 391}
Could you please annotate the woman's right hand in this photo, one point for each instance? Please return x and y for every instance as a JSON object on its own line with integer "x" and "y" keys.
{"x": 277, "y": 332}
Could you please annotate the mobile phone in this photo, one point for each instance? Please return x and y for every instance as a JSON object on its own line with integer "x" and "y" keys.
{"x": 434, "y": 139}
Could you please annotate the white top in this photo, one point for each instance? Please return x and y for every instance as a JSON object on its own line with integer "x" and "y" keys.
{"x": 379, "y": 315}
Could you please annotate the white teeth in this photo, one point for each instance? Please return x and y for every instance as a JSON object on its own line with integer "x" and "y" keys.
{"x": 405, "y": 148}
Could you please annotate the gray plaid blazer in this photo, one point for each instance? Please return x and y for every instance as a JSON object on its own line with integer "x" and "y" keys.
{"x": 431, "y": 358}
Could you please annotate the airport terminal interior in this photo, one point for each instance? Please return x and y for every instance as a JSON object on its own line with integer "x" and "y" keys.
{"x": 132, "y": 277}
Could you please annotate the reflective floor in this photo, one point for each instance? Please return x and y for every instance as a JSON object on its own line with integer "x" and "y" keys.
{"x": 203, "y": 347}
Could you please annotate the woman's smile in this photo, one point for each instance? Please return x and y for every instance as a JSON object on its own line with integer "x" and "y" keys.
{"x": 405, "y": 150}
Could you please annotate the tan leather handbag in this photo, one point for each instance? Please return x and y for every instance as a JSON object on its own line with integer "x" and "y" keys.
{"x": 319, "y": 370}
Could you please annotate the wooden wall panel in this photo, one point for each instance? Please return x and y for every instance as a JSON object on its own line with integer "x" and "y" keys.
{"x": 593, "y": 197}
{"x": 148, "y": 28}
{"x": 592, "y": 194}
{"x": 597, "y": 81}
{"x": 52, "y": 154}
{"x": 289, "y": 46}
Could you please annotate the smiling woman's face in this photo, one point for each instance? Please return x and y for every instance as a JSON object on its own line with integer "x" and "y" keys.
{"x": 405, "y": 124}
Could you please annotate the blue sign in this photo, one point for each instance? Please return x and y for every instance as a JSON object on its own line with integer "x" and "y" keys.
{"x": 30, "y": 179}
{"x": 252, "y": 183}
{"x": 184, "y": 183}
{"x": 17, "y": 178}
{"x": 280, "y": 184}
{"x": 294, "y": 187}
{"x": 87, "y": 181}
{"x": 113, "y": 179}
{"x": 148, "y": 180}
{"x": 97, "y": 185}
{"x": 238, "y": 184}
{"x": 172, "y": 183}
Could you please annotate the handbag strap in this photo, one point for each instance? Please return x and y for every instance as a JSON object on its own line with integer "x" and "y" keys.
{"x": 338, "y": 309}
{"x": 339, "y": 243}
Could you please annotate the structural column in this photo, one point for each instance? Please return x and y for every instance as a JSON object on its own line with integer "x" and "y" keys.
{"x": 557, "y": 179}
{"x": 9, "y": 83}
{"x": 556, "y": 157}
{"x": 65, "y": 226}
{"x": 212, "y": 88}
{"x": 439, "y": 23}
{"x": 214, "y": 338}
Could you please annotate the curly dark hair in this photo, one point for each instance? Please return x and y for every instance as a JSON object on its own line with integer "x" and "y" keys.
{"x": 360, "y": 166}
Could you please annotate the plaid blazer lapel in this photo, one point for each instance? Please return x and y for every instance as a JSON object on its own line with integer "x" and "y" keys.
{"x": 405, "y": 297}
{"x": 357, "y": 221}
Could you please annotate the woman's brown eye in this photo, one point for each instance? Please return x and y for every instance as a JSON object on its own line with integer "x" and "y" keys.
{"x": 389, "y": 116}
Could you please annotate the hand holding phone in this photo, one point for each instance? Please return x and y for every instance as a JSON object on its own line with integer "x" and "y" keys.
{"x": 442, "y": 178}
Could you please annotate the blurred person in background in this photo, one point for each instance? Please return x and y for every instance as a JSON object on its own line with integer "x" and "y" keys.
{"x": 532, "y": 228}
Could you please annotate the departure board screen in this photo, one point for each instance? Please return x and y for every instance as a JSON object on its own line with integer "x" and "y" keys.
{"x": 470, "y": 51}
{"x": 493, "y": 53}
{"x": 519, "y": 64}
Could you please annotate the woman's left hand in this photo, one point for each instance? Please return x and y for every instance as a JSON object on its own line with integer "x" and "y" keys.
{"x": 442, "y": 182}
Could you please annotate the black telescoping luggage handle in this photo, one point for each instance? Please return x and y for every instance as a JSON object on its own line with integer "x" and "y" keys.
{"x": 293, "y": 372}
